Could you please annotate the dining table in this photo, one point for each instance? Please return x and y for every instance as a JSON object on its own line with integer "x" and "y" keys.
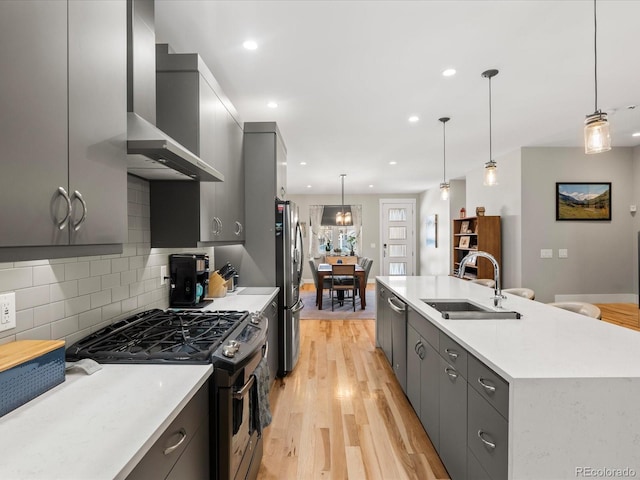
{"x": 324, "y": 270}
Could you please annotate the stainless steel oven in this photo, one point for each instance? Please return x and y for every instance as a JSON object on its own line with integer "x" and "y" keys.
{"x": 234, "y": 342}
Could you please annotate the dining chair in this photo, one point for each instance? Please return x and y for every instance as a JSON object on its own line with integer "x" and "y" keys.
{"x": 326, "y": 281}
{"x": 343, "y": 279}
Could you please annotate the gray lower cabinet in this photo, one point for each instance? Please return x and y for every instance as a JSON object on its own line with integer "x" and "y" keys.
{"x": 453, "y": 420}
{"x": 182, "y": 451}
{"x": 462, "y": 404}
{"x": 192, "y": 109}
{"x": 423, "y": 369}
{"x": 64, "y": 178}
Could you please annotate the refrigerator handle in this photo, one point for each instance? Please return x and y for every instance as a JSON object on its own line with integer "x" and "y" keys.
{"x": 298, "y": 306}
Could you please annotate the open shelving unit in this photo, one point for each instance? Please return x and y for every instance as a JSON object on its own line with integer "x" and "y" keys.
{"x": 476, "y": 233}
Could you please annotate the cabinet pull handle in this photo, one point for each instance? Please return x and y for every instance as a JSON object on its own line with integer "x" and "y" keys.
{"x": 452, "y": 353}
{"x": 220, "y": 225}
{"x": 487, "y": 387}
{"x": 78, "y": 224}
{"x": 238, "y": 229}
{"x": 451, "y": 372}
{"x": 489, "y": 444}
{"x": 183, "y": 437}
{"x": 62, "y": 223}
{"x": 394, "y": 307}
{"x": 421, "y": 352}
{"x": 417, "y": 346}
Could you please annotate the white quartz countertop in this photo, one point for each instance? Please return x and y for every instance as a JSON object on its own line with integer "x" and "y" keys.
{"x": 94, "y": 427}
{"x": 547, "y": 342}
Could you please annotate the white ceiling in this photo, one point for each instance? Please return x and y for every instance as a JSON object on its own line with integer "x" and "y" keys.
{"x": 348, "y": 74}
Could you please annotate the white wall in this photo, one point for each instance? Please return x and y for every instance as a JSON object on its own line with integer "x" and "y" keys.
{"x": 503, "y": 199}
{"x": 600, "y": 252}
{"x": 434, "y": 261}
{"x": 635, "y": 200}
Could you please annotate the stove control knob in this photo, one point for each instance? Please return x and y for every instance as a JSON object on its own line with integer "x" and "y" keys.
{"x": 229, "y": 351}
{"x": 256, "y": 318}
{"x": 234, "y": 344}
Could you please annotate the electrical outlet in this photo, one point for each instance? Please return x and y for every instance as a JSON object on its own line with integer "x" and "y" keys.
{"x": 563, "y": 253}
{"x": 7, "y": 311}
{"x": 546, "y": 253}
{"x": 163, "y": 275}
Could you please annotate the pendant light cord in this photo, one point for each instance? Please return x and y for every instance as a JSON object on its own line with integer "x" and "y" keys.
{"x": 444, "y": 152}
{"x": 490, "y": 150}
{"x": 595, "y": 54}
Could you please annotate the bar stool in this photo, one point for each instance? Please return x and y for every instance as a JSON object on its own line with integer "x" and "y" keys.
{"x": 582, "y": 308}
{"x": 521, "y": 292}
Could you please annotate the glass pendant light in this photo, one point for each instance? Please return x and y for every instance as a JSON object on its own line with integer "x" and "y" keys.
{"x": 444, "y": 186}
{"x": 343, "y": 217}
{"x": 491, "y": 167}
{"x": 596, "y": 126}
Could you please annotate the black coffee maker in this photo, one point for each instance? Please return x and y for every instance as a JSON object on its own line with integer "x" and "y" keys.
{"x": 189, "y": 279}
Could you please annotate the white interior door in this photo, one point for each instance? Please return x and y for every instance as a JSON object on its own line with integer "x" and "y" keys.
{"x": 397, "y": 236}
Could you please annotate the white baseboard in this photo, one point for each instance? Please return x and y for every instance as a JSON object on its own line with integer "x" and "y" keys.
{"x": 599, "y": 298}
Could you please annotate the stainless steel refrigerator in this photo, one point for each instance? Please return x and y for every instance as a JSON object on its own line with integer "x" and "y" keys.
{"x": 289, "y": 265}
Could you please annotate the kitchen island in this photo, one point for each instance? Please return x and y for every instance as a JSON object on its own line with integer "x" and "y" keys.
{"x": 573, "y": 402}
{"x": 99, "y": 426}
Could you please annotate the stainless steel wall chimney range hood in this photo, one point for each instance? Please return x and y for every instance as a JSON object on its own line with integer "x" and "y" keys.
{"x": 152, "y": 154}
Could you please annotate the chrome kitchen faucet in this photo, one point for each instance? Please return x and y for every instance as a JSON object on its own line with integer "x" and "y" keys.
{"x": 497, "y": 291}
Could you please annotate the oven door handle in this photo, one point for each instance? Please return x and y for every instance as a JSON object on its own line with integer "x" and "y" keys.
{"x": 239, "y": 395}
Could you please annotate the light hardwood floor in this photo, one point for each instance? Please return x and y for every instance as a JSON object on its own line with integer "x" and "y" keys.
{"x": 342, "y": 415}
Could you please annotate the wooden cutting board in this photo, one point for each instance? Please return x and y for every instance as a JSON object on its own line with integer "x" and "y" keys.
{"x": 21, "y": 351}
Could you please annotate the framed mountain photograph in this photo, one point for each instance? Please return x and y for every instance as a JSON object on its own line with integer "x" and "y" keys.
{"x": 583, "y": 201}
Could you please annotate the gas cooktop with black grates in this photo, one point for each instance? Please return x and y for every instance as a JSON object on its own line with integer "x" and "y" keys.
{"x": 157, "y": 336}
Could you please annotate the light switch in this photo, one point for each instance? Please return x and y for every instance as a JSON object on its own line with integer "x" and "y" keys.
{"x": 546, "y": 253}
{"x": 632, "y": 208}
{"x": 563, "y": 253}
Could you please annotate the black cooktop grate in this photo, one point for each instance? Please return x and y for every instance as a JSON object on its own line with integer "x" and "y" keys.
{"x": 159, "y": 336}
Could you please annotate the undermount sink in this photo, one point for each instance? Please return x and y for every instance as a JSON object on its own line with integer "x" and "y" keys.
{"x": 461, "y": 309}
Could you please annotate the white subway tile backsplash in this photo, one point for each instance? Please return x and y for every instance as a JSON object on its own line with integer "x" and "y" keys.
{"x": 46, "y": 274}
{"x": 89, "y": 285}
{"x": 90, "y": 318}
{"x": 24, "y": 320}
{"x": 119, "y": 264}
{"x": 64, "y": 327}
{"x": 110, "y": 281}
{"x": 30, "y": 263}
{"x": 15, "y": 278}
{"x": 145, "y": 298}
{"x": 128, "y": 277}
{"x": 130, "y": 304}
{"x": 111, "y": 311}
{"x": 77, "y": 305}
{"x": 64, "y": 290}
{"x": 32, "y": 297}
{"x": 101, "y": 298}
{"x": 135, "y": 263}
{"x": 100, "y": 267}
{"x": 128, "y": 250}
{"x": 74, "y": 271}
{"x": 38, "y": 333}
{"x": 42, "y": 315}
{"x": 151, "y": 284}
{"x": 136, "y": 289}
{"x": 5, "y": 265}
{"x": 57, "y": 310}
{"x": 119, "y": 293}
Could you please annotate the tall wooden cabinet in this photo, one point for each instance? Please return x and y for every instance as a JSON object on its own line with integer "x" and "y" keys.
{"x": 471, "y": 234}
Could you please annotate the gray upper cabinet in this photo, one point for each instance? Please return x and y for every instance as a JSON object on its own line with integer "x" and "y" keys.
{"x": 266, "y": 155}
{"x": 192, "y": 108}
{"x": 63, "y": 126}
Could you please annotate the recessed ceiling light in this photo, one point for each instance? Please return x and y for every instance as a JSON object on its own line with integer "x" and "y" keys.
{"x": 449, "y": 72}
{"x": 272, "y": 105}
{"x": 392, "y": 163}
{"x": 303, "y": 163}
{"x": 370, "y": 186}
{"x": 414, "y": 118}
{"x": 308, "y": 186}
{"x": 637, "y": 134}
{"x": 250, "y": 45}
